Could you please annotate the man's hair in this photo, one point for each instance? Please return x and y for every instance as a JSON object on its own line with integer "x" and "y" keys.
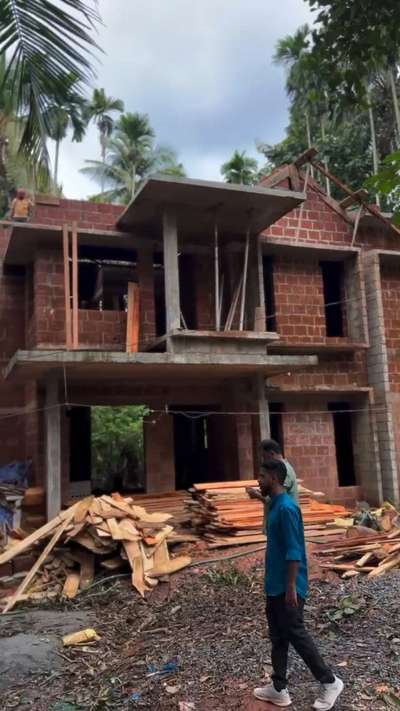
{"x": 277, "y": 468}
{"x": 271, "y": 445}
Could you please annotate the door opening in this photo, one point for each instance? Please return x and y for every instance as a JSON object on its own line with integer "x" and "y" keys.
{"x": 342, "y": 425}
{"x": 191, "y": 442}
{"x": 276, "y": 422}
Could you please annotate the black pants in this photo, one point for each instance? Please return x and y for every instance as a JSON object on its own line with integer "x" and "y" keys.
{"x": 286, "y": 626}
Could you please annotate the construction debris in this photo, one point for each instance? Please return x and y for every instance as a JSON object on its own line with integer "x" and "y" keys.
{"x": 109, "y": 533}
{"x": 356, "y": 553}
{"x": 225, "y": 515}
{"x": 81, "y": 637}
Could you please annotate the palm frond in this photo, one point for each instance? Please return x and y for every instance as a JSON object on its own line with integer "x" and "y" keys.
{"x": 44, "y": 41}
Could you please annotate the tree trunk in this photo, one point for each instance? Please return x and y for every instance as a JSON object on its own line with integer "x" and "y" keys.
{"x": 308, "y": 132}
{"x": 103, "y": 160}
{"x": 375, "y": 158}
{"x": 56, "y": 163}
{"x": 392, "y": 82}
{"x": 323, "y": 136}
{"x": 133, "y": 189}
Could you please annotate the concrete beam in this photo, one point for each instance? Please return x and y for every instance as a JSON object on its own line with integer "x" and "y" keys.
{"x": 53, "y": 448}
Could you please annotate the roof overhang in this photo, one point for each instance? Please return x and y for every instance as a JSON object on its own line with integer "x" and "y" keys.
{"x": 111, "y": 367}
{"x": 26, "y": 238}
{"x": 199, "y": 204}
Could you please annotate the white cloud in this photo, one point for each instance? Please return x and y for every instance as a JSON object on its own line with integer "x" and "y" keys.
{"x": 202, "y": 71}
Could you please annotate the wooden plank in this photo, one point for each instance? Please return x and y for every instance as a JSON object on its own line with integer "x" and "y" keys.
{"x": 171, "y": 567}
{"x": 216, "y": 277}
{"x": 128, "y": 530}
{"x": 86, "y": 561}
{"x": 305, "y": 157}
{"x": 75, "y": 304}
{"x": 67, "y": 289}
{"x": 82, "y": 509}
{"x": 36, "y": 536}
{"x": 57, "y": 534}
{"x": 370, "y": 208}
{"x": 132, "y": 319}
{"x": 233, "y": 306}
{"x": 244, "y": 289}
{"x": 384, "y": 567}
{"x": 350, "y": 199}
{"x": 71, "y": 585}
{"x": 161, "y": 555}
{"x": 134, "y": 555}
{"x": 116, "y": 534}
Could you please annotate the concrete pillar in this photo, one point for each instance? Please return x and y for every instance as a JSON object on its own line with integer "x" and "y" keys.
{"x": 262, "y": 406}
{"x": 171, "y": 271}
{"x": 53, "y": 448}
{"x": 159, "y": 454}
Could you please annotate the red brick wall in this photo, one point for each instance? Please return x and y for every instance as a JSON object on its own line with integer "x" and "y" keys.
{"x": 159, "y": 453}
{"x": 102, "y": 329}
{"x": 146, "y": 298}
{"x": 299, "y": 301}
{"x": 390, "y": 281}
{"x": 204, "y": 289}
{"x": 89, "y": 215}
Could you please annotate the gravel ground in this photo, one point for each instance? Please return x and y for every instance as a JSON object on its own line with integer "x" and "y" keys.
{"x": 210, "y": 624}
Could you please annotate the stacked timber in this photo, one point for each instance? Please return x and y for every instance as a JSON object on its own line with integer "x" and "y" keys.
{"x": 225, "y": 515}
{"x": 108, "y": 533}
{"x": 363, "y": 551}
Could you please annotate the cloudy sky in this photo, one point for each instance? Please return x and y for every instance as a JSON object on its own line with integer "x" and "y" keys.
{"x": 202, "y": 70}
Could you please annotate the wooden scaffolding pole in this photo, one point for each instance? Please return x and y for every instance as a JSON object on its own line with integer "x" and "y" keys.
{"x": 67, "y": 289}
{"x": 216, "y": 269}
{"x": 75, "y": 324}
{"x": 245, "y": 268}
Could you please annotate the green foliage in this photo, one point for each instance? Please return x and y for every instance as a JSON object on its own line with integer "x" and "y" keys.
{"x": 117, "y": 445}
{"x": 352, "y": 38}
{"x": 387, "y": 182}
{"x": 45, "y": 42}
{"x": 240, "y": 169}
{"x": 132, "y": 155}
{"x": 346, "y": 607}
{"x": 227, "y": 576}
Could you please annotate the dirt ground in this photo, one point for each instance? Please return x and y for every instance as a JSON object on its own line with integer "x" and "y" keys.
{"x": 198, "y": 643}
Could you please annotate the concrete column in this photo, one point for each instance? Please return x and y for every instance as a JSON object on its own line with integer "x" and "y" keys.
{"x": 262, "y": 406}
{"x": 171, "y": 271}
{"x": 53, "y": 449}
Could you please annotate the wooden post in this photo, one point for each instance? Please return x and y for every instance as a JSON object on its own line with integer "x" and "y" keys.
{"x": 75, "y": 325}
{"x": 216, "y": 268}
{"x": 132, "y": 319}
{"x": 171, "y": 272}
{"x": 53, "y": 448}
{"x": 67, "y": 289}
{"x": 246, "y": 262}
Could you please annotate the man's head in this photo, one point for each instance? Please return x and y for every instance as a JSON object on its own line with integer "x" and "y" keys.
{"x": 272, "y": 477}
{"x": 21, "y": 194}
{"x": 271, "y": 450}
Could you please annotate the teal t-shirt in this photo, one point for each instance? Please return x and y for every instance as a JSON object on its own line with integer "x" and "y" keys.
{"x": 285, "y": 542}
{"x": 291, "y": 486}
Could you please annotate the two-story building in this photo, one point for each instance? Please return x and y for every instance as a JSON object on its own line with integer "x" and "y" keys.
{"x": 261, "y": 310}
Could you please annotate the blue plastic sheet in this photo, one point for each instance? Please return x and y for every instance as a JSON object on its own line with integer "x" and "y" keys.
{"x": 17, "y": 473}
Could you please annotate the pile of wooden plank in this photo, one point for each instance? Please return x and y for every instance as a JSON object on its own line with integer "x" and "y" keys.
{"x": 363, "y": 551}
{"x": 106, "y": 533}
{"x": 225, "y": 515}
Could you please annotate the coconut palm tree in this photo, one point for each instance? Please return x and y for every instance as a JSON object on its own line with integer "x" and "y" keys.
{"x": 44, "y": 42}
{"x": 240, "y": 169}
{"x": 68, "y": 113}
{"x": 131, "y": 157}
{"x": 292, "y": 52}
{"x": 99, "y": 110}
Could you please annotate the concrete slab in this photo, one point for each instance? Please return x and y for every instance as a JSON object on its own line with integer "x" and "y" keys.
{"x": 85, "y": 366}
{"x": 199, "y": 202}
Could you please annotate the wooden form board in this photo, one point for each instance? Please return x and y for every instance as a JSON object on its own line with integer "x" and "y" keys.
{"x": 67, "y": 289}
{"x": 71, "y": 314}
{"x": 132, "y": 319}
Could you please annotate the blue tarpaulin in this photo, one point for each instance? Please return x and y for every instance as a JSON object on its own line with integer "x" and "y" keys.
{"x": 17, "y": 473}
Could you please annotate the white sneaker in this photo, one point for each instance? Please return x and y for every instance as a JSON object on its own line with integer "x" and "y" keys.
{"x": 328, "y": 695}
{"x": 269, "y": 693}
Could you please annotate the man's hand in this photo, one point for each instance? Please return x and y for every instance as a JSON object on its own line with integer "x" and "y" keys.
{"x": 254, "y": 493}
{"x": 291, "y": 597}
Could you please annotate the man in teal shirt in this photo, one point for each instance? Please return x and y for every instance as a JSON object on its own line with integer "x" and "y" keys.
{"x": 286, "y": 586}
{"x": 271, "y": 451}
